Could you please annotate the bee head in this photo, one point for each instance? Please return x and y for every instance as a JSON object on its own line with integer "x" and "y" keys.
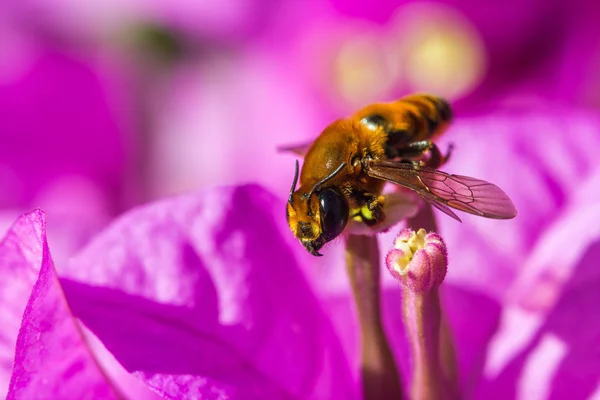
{"x": 316, "y": 216}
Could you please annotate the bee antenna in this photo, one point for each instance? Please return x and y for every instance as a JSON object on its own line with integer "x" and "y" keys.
{"x": 323, "y": 181}
{"x": 294, "y": 183}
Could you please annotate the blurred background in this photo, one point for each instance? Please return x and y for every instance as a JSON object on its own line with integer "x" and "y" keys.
{"x": 107, "y": 105}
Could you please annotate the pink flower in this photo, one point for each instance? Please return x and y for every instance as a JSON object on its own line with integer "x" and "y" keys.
{"x": 538, "y": 49}
{"x": 66, "y": 142}
{"x": 196, "y": 296}
{"x": 314, "y": 64}
{"x": 227, "y": 22}
{"x": 202, "y": 295}
{"x": 59, "y": 127}
{"x": 419, "y": 261}
{"x": 188, "y": 296}
{"x": 507, "y": 281}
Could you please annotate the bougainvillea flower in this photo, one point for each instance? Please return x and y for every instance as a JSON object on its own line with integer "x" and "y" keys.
{"x": 533, "y": 274}
{"x": 327, "y": 65}
{"x": 547, "y": 164}
{"x": 65, "y": 144}
{"x": 517, "y": 150}
{"x": 520, "y": 151}
{"x": 297, "y": 59}
{"x": 543, "y": 48}
{"x": 202, "y": 295}
{"x": 195, "y": 296}
{"x": 76, "y": 138}
{"x": 419, "y": 262}
{"x": 501, "y": 50}
{"x": 206, "y": 20}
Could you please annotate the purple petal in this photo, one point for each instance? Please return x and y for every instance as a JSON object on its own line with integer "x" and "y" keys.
{"x": 202, "y": 289}
{"x": 560, "y": 359}
{"x": 209, "y": 20}
{"x": 522, "y": 48}
{"x": 473, "y": 318}
{"x": 490, "y": 253}
{"x": 51, "y": 356}
{"x": 560, "y": 248}
{"x": 575, "y": 322}
{"x": 549, "y": 323}
{"x": 20, "y": 260}
{"x": 247, "y": 160}
{"x": 74, "y": 145}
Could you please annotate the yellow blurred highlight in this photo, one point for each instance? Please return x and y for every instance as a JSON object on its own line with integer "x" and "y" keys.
{"x": 428, "y": 47}
{"x": 361, "y": 70}
{"x": 440, "y": 50}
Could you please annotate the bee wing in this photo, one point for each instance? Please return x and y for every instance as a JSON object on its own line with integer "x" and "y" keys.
{"x": 298, "y": 149}
{"x": 443, "y": 190}
{"x": 443, "y": 208}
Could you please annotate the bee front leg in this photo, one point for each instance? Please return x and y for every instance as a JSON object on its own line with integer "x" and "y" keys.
{"x": 369, "y": 209}
{"x": 372, "y": 211}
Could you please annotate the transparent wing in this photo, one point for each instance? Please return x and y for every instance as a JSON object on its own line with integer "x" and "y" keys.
{"x": 298, "y": 149}
{"x": 445, "y": 191}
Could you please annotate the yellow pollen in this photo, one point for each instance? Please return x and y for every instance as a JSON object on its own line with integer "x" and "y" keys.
{"x": 409, "y": 248}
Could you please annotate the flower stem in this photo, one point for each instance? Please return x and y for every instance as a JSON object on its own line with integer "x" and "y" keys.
{"x": 380, "y": 376}
{"x": 422, "y": 321}
{"x": 425, "y": 219}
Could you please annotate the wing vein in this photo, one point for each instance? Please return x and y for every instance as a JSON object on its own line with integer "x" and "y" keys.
{"x": 442, "y": 190}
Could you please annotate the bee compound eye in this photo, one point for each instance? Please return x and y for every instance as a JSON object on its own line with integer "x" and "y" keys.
{"x": 334, "y": 212}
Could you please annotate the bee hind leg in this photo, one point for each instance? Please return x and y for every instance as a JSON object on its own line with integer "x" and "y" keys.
{"x": 436, "y": 158}
{"x": 415, "y": 149}
{"x": 413, "y": 153}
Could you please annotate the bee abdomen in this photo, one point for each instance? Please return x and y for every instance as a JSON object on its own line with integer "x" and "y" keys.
{"x": 429, "y": 115}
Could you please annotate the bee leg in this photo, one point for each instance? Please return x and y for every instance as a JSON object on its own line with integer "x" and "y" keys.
{"x": 448, "y": 152}
{"x": 436, "y": 159}
{"x": 396, "y": 141}
{"x": 415, "y": 149}
{"x": 373, "y": 211}
{"x": 370, "y": 210}
{"x": 413, "y": 162}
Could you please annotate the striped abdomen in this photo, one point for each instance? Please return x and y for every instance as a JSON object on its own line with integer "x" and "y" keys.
{"x": 410, "y": 119}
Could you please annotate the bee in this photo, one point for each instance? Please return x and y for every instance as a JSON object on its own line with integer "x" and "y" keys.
{"x": 346, "y": 167}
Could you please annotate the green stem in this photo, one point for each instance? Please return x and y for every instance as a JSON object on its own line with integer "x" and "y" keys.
{"x": 380, "y": 376}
